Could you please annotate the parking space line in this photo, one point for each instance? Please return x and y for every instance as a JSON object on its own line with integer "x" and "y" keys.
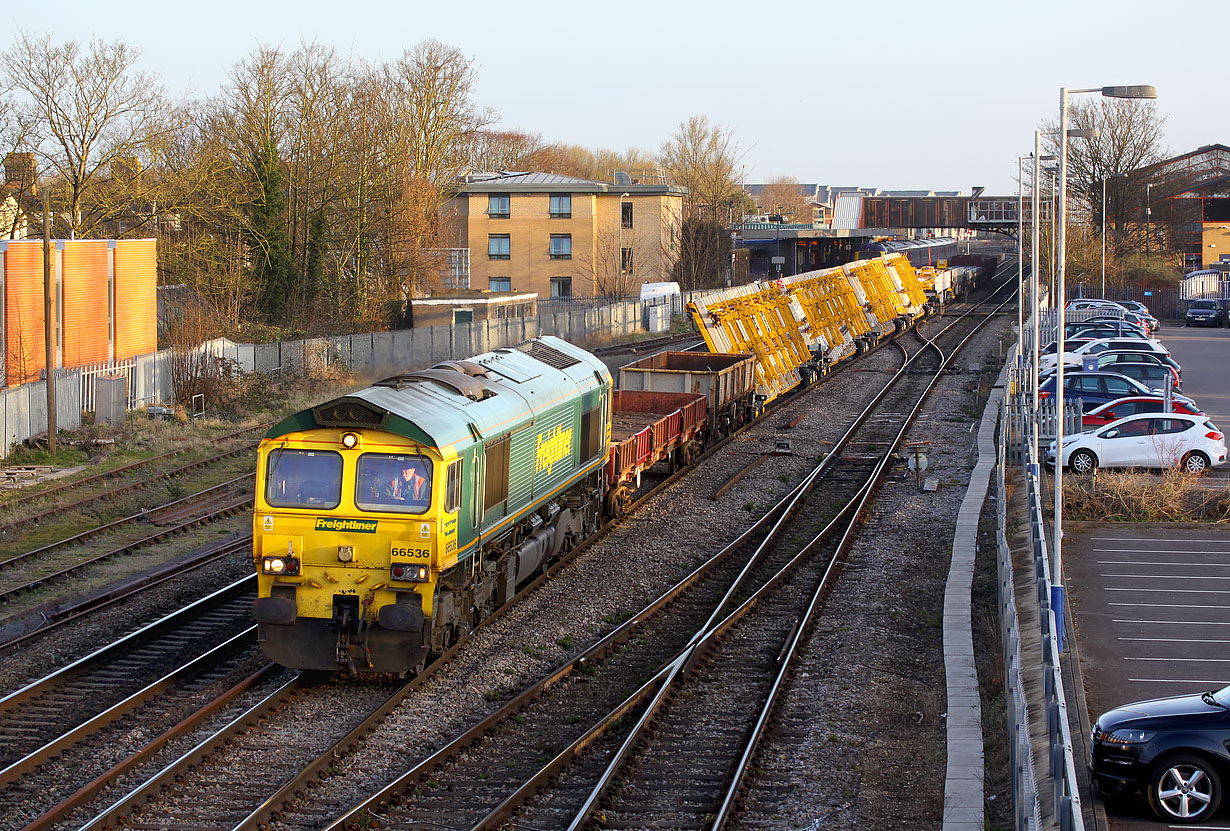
{"x": 1165, "y": 577}
{"x": 1160, "y": 563}
{"x": 1169, "y": 605}
{"x": 1176, "y": 622}
{"x": 1172, "y": 640}
{"x": 1185, "y": 660}
{"x": 1152, "y": 540}
{"x": 1170, "y": 591}
{"x": 1214, "y": 681}
{"x": 1202, "y": 827}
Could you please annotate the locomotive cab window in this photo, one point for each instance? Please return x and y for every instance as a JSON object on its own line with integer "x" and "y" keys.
{"x": 591, "y": 433}
{"x": 452, "y": 488}
{"x": 303, "y": 479}
{"x": 395, "y": 482}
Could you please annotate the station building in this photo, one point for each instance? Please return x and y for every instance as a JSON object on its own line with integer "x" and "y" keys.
{"x": 562, "y": 236}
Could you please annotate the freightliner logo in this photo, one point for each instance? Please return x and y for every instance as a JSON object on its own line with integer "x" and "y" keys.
{"x": 362, "y": 526}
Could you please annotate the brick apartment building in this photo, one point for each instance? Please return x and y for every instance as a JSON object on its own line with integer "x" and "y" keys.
{"x": 560, "y": 236}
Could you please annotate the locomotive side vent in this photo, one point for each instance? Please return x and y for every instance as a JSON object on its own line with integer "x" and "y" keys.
{"x": 549, "y": 355}
{"x": 349, "y": 412}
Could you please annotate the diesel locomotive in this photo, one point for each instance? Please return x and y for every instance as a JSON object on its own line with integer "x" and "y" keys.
{"x": 391, "y": 521}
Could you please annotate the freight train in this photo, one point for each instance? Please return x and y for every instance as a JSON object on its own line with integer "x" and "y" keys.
{"x": 392, "y": 521}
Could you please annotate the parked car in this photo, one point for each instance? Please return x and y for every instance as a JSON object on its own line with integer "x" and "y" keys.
{"x": 1097, "y": 388}
{"x": 1146, "y": 325}
{"x": 1205, "y": 313}
{"x": 1174, "y": 749}
{"x": 1115, "y": 356}
{"x": 1134, "y": 306}
{"x": 1104, "y": 329}
{"x": 1131, "y": 405}
{"x": 1078, "y": 303}
{"x": 1151, "y": 375}
{"x": 1076, "y": 355}
{"x": 1151, "y": 440}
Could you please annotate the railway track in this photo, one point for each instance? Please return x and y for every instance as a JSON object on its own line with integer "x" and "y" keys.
{"x": 525, "y": 731}
{"x": 65, "y": 728}
{"x": 231, "y": 805}
{"x": 148, "y": 469}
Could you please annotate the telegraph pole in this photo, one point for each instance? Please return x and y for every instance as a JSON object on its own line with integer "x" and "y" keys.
{"x": 48, "y": 329}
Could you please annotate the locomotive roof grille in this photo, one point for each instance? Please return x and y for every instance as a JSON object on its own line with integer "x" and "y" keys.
{"x": 349, "y": 412}
{"x": 549, "y": 355}
{"x": 451, "y": 379}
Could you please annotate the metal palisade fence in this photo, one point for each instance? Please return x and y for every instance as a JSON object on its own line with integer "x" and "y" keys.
{"x": 23, "y": 411}
{"x": 1062, "y": 808}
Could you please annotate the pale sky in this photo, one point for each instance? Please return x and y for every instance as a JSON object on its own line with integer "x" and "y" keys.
{"x": 942, "y": 95}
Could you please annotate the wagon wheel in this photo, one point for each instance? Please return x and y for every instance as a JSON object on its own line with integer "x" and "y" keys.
{"x": 618, "y": 500}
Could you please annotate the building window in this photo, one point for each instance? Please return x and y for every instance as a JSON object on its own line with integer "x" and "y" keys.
{"x": 625, "y": 214}
{"x": 497, "y": 205}
{"x": 625, "y": 260}
{"x": 561, "y": 287}
{"x": 561, "y": 206}
{"x": 499, "y": 284}
{"x": 561, "y": 246}
{"x": 498, "y": 246}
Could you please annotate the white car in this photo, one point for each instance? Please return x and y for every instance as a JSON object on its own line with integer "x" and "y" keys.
{"x": 1156, "y": 440}
{"x": 1095, "y": 347}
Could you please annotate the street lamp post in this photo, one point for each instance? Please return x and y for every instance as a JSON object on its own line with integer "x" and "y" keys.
{"x": 1020, "y": 253}
{"x": 1141, "y": 91}
{"x": 1033, "y": 286}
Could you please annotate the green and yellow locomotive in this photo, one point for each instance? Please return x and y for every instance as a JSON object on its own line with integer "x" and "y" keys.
{"x": 391, "y": 521}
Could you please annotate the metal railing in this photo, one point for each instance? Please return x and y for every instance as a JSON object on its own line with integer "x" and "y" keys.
{"x": 1066, "y": 804}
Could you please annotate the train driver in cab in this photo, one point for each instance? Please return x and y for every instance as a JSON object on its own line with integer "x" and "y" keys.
{"x": 408, "y": 486}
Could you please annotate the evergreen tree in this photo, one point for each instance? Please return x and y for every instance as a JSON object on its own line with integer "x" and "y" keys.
{"x": 274, "y": 268}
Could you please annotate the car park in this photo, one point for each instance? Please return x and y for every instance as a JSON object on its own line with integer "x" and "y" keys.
{"x": 1097, "y": 388}
{"x": 1205, "y": 313}
{"x": 1148, "y": 440}
{"x": 1131, "y": 405}
{"x": 1173, "y": 749}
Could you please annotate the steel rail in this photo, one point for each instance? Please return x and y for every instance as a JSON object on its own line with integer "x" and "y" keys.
{"x": 157, "y": 537}
{"x": 637, "y": 734}
{"x": 128, "y": 468}
{"x": 140, "y": 516}
{"x": 171, "y": 571}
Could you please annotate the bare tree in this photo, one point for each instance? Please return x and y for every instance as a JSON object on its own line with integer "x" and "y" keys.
{"x": 94, "y": 107}
{"x": 1129, "y": 137}
{"x": 784, "y": 195}
{"x": 701, "y": 156}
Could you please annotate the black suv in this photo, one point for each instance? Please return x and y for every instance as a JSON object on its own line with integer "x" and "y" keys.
{"x": 1172, "y": 748}
{"x": 1205, "y": 313}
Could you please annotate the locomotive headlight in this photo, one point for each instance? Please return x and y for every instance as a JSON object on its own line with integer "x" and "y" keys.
{"x": 350, "y": 440}
{"x": 411, "y": 572}
{"x": 345, "y": 553}
{"x": 280, "y": 565}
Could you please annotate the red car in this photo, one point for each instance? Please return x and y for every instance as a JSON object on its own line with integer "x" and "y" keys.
{"x": 1131, "y": 405}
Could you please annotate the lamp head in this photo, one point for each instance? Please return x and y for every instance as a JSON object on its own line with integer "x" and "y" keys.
{"x": 1136, "y": 91}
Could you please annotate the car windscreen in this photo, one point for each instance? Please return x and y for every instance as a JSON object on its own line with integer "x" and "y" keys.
{"x": 303, "y": 479}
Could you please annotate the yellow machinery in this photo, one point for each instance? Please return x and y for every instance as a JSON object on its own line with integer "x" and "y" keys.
{"x": 758, "y": 319}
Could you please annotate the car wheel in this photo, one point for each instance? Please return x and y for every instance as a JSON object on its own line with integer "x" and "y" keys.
{"x": 1195, "y": 462}
{"x": 1083, "y": 461}
{"x": 1184, "y": 789}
